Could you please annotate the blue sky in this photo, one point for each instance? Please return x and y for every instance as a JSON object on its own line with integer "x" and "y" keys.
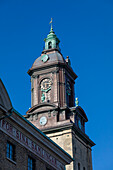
{"x": 85, "y": 29}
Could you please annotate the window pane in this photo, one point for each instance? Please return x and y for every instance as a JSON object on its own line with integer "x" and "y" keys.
{"x": 7, "y": 154}
{"x": 31, "y": 165}
{"x": 7, "y": 145}
{"x": 10, "y": 151}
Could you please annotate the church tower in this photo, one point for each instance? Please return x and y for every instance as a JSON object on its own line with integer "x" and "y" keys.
{"x": 53, "y": 107}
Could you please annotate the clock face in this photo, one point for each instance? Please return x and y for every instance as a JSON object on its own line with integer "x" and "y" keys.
{"x": 46, "y": 88}
{"x": 46, "y": 85}
{"x": 44, "y": 58}
{"x": 43, "y": 120}
{"x": 79, "y": 124}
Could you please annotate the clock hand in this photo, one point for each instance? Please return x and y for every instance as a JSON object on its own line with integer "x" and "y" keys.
{"x": 46, "y": 90}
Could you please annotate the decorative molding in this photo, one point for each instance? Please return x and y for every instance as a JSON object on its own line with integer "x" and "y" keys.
{"x": 34, "y": 76}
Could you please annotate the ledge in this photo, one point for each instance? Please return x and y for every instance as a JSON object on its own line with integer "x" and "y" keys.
{"x": 11, "y": 160}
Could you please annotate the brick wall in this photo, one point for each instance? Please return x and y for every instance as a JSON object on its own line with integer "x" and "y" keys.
{"x": 21, "y": 156}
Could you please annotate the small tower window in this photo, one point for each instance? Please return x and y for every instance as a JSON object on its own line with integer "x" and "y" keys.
{"x": 78, "y": 166}
{"x": 49, "y": 45}
{"x": 57, "y": 45}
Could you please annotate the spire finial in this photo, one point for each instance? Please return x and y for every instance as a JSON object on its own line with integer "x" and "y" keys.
{"x": 51, "y": 24}
{"x": 76, "y": 101}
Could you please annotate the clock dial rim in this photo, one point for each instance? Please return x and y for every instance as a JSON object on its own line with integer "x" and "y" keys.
{"x": 43, "y": 120}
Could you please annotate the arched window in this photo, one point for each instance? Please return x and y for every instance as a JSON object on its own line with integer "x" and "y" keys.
{"x": 68, "y": 93}
{"x": 49, "y": 45}
{"x": 45, "y": 88}
{"x": 78, "y": 166}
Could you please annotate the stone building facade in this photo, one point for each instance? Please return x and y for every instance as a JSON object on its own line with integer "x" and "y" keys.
{"x": 53, "y": 108}
{"x": 22, "y": 145}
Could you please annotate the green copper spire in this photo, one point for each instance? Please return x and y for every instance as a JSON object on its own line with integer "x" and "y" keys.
{"x": 51, "y": 41}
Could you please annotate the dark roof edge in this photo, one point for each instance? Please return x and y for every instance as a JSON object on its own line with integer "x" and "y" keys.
{"x": 6, "y": 93}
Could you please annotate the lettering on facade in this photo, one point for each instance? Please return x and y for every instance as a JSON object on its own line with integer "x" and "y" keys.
{"x": 29, "y": 143}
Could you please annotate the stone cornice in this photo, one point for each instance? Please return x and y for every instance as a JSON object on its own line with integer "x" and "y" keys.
{"x": 70, "y": 125}
{"x": 54, "y": 64}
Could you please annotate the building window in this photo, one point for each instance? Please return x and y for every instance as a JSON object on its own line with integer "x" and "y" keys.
{"x": 31, "y": 163}
{"x": 50, "y": 45}
{"x": 83, "y": 168}
{"x": 10, "y": 151}
{"x": 78, "y": 166}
